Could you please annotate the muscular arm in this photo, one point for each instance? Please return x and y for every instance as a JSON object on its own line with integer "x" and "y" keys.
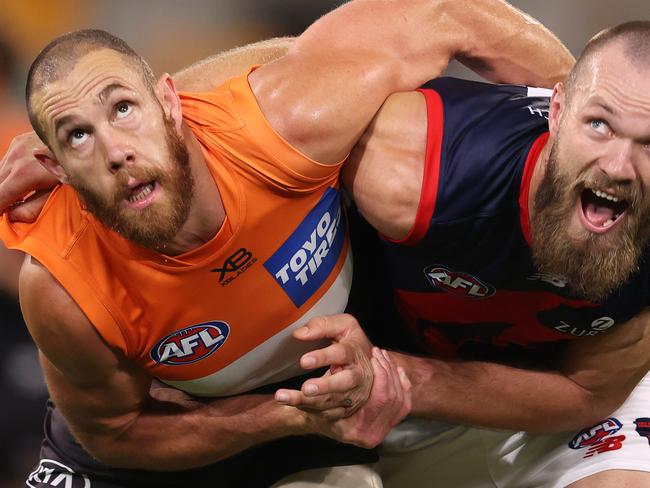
{"x": 110, "y": 407}
{"x": 321, "y": 95}
{"x": 596, "y": 377}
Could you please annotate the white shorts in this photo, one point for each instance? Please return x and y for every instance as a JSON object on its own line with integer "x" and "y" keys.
{"x": 355, "y": 476}
{"x": 465, "y": 457}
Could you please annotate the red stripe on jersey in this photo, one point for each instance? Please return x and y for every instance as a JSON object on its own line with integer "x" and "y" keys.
{"x": 524, "y": 191}
{"x": 426, "y": 207}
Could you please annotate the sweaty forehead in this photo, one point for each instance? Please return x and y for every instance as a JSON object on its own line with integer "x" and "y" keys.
{"x": 86, "y": 79}
{"x": 613, "y": 77}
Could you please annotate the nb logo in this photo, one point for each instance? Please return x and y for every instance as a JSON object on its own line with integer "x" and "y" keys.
{"x": 238, "y": 262}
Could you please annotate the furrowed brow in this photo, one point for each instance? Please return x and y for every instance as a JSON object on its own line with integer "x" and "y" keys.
{"x": 103, "y": 95}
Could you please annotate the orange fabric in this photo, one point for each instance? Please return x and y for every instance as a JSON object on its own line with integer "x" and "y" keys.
{"x": 136, "y": 297}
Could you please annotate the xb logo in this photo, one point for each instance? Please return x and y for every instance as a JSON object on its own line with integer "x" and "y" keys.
{"x": 238, "y": 262}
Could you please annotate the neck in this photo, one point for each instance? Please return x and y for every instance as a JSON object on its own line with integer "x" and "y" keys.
{"x": 207, "y": 213}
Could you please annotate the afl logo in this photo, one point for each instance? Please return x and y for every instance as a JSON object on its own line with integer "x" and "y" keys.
{"x": 457, "y": 282}
{"x": 190, "y": 344}
{"x": 596, "y": 434}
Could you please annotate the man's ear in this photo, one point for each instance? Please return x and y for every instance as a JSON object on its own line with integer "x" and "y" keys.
{"x": 169, "y": 99}
{"x": 48, "y": 161}
{"x": 557, "y": 106}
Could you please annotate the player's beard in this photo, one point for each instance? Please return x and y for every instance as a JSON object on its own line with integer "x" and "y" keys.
{"x": 595, "y": 264}
{"x": 156, "y": 225}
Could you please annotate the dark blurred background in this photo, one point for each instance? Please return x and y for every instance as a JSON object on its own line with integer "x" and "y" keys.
{"x": 154, "y": 28}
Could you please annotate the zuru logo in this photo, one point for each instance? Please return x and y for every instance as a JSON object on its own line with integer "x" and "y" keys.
{"x": 457, "y": 282}
{"x": 190, "y": 344}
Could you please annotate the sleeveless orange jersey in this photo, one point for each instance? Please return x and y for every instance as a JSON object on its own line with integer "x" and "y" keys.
{"x": 216, "y": 320}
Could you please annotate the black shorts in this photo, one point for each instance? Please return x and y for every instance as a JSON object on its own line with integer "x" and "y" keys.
{"x": 64, "y": 463}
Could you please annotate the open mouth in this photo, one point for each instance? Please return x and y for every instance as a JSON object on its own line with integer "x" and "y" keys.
{"x": 141, "y": 195}
{"x": 601, "y": 210}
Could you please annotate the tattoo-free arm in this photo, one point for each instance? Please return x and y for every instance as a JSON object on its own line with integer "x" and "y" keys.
{"x": 110, "y": 407}
{"x": 323, "y": 93}
{"x": 596, "y": 377}
{"x": 209, "y": 73}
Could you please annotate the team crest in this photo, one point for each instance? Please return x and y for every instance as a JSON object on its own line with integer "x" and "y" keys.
{"x": 599, "y": 438}
{"x": 190, "y": 344}
{"x": 457, "y": 282}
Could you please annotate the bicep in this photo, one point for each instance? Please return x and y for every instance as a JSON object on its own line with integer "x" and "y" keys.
{"x": 97, "y": 389}
{"x": 322, "y": 95}
{"x": 612, "y": 363}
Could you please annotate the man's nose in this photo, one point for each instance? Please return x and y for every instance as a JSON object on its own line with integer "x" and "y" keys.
{"x": 119, "y": 151}
{"x": 618, "y": 163}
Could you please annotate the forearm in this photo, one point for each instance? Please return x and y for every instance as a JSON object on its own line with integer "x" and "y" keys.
{"x": 497, "y": 396}
{"x": 211, "y": 72}
{"x": 508, "y": 46}
{"x": 181, "y": 433}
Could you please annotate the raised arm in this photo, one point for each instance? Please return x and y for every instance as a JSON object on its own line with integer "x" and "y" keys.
{"x": 324, "y": 92}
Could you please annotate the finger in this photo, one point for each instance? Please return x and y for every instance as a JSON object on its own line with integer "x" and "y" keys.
{"x": 30, "y": 209}
{"x": 335, "y": 413}
{"x": 406, "y": 386}
{"x": 332, "y": 355}
{"x": 289, "y": 397}
{"x": 342, "y": 382}
{"x": 379, "y": 369}
{"x": 386, "y": 388}
{"x": 394, "y": 376}
{"x": 317, "y": 403}
{"x": 326, "y": 327}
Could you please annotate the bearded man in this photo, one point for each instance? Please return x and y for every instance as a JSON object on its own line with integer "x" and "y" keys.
{"x": 200, "y": 230}
{"x": 514, "y": 230}
{"x": 466, "y": 237}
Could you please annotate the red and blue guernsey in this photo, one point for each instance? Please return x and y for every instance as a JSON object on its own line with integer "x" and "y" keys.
{"x": 464, "y": 279}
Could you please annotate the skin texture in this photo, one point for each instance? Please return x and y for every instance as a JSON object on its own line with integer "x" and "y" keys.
{"x": 107, "y": 401}
{"x": 597, "y": 373}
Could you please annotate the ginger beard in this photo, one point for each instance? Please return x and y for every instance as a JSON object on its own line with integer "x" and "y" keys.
{"x": 157, "y": 224}
{"x": 594, "y": 265}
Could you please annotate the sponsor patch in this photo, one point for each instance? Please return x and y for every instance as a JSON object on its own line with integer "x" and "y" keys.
{"x": 612, "y": 443}
{"x": 457, "y": 282}
{"x": 54, "y": 473}
{"x": 305, "y": 260}
{"x": 234, "y": 266}
{"x": 594, "y": 435}
{"x": 643, "y": 427}
{"x": 190, "y": 344}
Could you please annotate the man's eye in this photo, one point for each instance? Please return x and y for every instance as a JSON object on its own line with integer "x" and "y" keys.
{"x": 77, "y": 137}
{"x": 599, "y": 126}
{"x": 123, "y": 109}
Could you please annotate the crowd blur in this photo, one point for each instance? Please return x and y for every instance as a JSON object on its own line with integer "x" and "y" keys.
{"x": 154, "y": 28}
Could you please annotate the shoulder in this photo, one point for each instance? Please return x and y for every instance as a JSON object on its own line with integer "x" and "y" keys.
{"x": 59, "y": 327}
